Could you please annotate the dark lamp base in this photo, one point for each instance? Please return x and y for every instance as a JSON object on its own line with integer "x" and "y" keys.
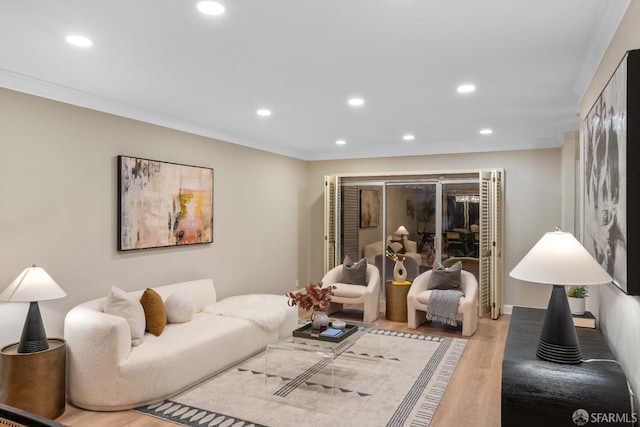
{"x": 558, "y": 339}
{"x": 559, "y": 353}
{"x": 33, "y": 338}
{"x": 33, "y": 346}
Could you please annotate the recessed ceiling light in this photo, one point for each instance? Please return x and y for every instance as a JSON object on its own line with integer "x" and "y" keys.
{"x": 408, "y": 137}
{"x": 341, "y": 142}
{"x": 356, "y": 102}
{"x": 79, "y": 41}
{"x": 211, "y": 8}
{"x": 486, "y": 132}
{"x": 263, "y": 112}
{"x": 466, "y": 88}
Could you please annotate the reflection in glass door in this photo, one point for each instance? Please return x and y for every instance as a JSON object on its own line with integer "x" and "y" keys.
{"x": 411, "y": 219}
{"x": 425, "y": 220}
{"x": 360, "y": 221}
{"x": 411, "y": 223}
{"x": 460, "y": 219}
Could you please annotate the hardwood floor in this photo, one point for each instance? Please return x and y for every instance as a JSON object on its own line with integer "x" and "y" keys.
{"x": 472, "y": 396}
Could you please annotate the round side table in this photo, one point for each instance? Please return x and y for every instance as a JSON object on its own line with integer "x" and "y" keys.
{"x": 34, "y": 382}
{"x": 396, "y": 293}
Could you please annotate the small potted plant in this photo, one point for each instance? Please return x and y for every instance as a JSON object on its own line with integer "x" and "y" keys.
{"x": 576, "y": 296}
{"x": 316, "y": 298}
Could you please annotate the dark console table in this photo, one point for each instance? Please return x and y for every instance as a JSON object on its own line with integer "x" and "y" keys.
{"x": 539, "y": 393}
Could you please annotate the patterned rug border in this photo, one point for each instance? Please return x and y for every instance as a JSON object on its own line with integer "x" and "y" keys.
{"x": 191, "y": 416}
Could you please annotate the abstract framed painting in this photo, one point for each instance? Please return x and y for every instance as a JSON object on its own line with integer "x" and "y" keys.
{"x": 369, "y": 208}
{"x": 163, "y": 204}
{"x": 611, "y": 172}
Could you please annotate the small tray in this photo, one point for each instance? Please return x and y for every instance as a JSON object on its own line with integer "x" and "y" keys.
{"x": 305, "y": 332}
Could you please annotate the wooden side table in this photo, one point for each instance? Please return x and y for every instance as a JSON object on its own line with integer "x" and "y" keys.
{"x": 396, "y": 294}
{"x": 34, "y": 382}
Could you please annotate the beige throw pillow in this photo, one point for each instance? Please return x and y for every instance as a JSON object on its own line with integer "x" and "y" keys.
{"x": 121, "y": 303}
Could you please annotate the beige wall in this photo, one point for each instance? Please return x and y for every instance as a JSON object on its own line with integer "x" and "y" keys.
{"x": 619, "y": 313}
{"x": 532, "y": 203}
{"x": 58, "y": 195}
{"x": 568, "y": 153}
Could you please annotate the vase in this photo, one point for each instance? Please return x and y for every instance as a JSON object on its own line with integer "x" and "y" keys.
{"x": 399, "y": 272}
{"x": 577, "y": 305}
{"x": 319, "y": 320}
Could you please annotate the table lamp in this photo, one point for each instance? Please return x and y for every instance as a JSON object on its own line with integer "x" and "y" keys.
{"x": 401, "y": 231}
{"x": 32, "y": 285}
{"x": 558, "y": 259}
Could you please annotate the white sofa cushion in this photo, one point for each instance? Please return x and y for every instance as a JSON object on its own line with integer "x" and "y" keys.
{"x": 180, "y": 307}
{"x": 123, "y": 304}
{"x": 265, "y": 310}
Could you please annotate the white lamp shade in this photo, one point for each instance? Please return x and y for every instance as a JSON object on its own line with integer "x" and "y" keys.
{"x": 401, "y": 231}
{"x": 560, "y": 259}
{"x": 33, "y": 284}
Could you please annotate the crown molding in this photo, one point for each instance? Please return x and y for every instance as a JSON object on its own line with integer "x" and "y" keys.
{"x": 67, "y": 95}
{"x": 611, "y": 14}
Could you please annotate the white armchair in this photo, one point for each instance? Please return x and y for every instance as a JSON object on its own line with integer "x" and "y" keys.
{"x": 373, "y": 249}
{"x": 345, "y": 293}
{"x": 418, "y": 298}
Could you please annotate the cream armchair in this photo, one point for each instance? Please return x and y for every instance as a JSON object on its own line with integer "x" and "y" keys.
{"x": 418, "y": 298}
{"x": 373, "y": 249}
{"x": 345, "y": 293}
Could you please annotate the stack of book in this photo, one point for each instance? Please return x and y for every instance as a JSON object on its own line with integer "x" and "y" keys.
{"x": 331, "y": 332}
{"x": 586, "y": 320}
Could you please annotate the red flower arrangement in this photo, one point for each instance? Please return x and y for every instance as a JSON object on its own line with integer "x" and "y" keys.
{"x": 314, "y": 297}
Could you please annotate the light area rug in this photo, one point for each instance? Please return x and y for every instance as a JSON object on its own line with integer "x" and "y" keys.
{"x": 387, "y": 378}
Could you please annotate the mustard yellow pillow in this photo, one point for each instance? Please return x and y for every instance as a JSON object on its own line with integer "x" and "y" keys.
{"x": 154, "y": 312}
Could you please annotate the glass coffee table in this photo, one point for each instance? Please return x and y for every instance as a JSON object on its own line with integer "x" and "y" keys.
{"x": 302, "y": 360}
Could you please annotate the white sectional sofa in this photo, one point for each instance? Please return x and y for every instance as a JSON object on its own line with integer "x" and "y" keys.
{"x": 106, "y": 373}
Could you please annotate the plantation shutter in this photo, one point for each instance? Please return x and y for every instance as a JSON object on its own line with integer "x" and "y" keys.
{"x": 490, "y": 286}
{"x": 496, "y": 256}
{"x": 330, "y": 193}
{"x": 484, "y": 287}
{"x": 350, "y": 222}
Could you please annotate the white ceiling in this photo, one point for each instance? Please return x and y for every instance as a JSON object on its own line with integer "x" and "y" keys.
{"x": 163, "y": 62}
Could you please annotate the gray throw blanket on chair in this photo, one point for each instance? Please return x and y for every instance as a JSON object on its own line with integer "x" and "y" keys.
{"x": 443, "y": 306}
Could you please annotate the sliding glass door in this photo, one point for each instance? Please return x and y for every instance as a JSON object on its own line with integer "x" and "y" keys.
{"x": 429, "y": 218}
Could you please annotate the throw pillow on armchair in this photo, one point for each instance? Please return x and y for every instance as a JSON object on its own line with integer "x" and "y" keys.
{"x": 354, "y": 273}
{"x": 445, "y": 278}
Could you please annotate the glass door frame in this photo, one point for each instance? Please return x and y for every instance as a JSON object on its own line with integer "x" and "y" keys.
{"x": 384, "y": 184}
